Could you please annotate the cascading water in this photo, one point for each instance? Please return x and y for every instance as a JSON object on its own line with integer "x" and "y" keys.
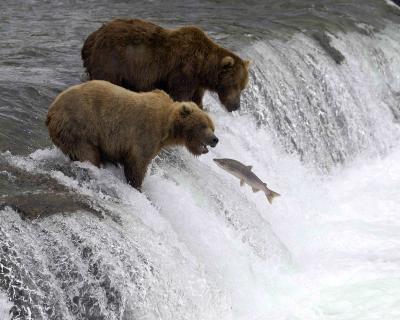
{"x": 319, "y": 124}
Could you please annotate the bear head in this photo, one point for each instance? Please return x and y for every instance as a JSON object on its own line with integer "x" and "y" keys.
{"x": 233, "y": 78}
{"x": 193, "y": 128}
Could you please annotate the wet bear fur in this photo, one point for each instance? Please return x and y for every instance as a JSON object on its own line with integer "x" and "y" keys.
{"x": 100, "y": 122}
{"x": 184, "y": 62}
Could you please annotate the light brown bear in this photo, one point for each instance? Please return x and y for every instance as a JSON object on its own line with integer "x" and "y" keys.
{"x": 142, "y": 56}
{"x": 100, "y": 122}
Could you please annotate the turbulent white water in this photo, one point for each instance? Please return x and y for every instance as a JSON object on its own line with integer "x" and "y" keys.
{"x": 5, "y": 307}
{"x": 324, "y": 111}
{"x": 195, "y": 245}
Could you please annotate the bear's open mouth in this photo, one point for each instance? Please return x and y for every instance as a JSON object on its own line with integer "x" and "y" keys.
{"x": 203, "y": 148}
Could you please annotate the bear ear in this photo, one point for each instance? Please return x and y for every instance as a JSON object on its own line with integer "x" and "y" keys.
{"x": 186, "y": 110}
{"x": 246, "y": 63}
{"x": 227, "y": 62}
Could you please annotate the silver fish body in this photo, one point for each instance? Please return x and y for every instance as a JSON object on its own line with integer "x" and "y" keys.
{"x": 246, "y": 176}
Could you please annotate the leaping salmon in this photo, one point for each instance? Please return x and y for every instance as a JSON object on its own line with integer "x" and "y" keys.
{"x": 244, "y": 173}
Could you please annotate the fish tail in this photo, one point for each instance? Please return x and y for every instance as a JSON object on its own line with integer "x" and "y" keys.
{"x": 271, "y": 195}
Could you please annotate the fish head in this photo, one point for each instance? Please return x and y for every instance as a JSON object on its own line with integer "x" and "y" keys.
{"x": 223, "y": 163}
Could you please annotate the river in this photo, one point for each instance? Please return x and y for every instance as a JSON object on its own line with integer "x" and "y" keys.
{"x": 319, "y": 123}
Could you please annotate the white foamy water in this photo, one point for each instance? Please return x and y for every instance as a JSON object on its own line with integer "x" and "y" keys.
{"x": 196, "y": 245}
{"x": 328, "y": 248}
{"x": 326, "y": 112}
{"x": 5, "y": 307}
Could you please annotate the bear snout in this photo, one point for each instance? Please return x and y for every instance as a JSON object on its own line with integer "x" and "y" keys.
{"x": 233, "y": 107}
{"x": 213, "y": 141}
{"x": 231, "y": 102}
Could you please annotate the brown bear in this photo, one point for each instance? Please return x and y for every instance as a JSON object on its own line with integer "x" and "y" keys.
{"x": 100, "y": 122}
{"x": 184, "y": 62}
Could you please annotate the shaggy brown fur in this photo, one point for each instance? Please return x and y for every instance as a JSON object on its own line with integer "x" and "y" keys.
{"x": 98, "y": 122}
{"x": 184, "y": 62}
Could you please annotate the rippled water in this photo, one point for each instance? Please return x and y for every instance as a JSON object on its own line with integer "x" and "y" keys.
{"x": 319, "y": 123}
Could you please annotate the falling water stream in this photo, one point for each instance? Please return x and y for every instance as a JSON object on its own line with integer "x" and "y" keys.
{"x": 319, "y": 123}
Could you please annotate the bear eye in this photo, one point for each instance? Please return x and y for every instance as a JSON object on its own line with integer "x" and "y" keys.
{"x": 203, "y": 126}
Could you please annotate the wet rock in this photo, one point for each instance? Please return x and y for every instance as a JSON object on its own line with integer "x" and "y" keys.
{"x": 14, "y": 180}
{"x": 35, "y": 195}
{"x": 31, "y": 206}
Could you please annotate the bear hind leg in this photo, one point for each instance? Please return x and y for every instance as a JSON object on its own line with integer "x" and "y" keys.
{"x": 134, "y": 172}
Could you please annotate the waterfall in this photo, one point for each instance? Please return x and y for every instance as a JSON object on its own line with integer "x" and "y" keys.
{"x": 319, "y": 124}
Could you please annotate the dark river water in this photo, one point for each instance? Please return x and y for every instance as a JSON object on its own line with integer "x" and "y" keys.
{"x": 319, "y": 122}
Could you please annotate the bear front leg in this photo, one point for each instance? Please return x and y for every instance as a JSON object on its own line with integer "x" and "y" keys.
{"x": 181, "y": 87}
{"x": 134, "y": 172}
{"x": 198, "y": 97}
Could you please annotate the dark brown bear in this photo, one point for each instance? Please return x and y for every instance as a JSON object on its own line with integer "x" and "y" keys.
{"x": 142, "y": 56}
{"x": 100, "y": 122}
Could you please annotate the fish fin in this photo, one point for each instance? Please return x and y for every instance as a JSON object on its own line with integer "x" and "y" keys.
{"x": 271, "y": 195}
{"x": 255, "y": 190}
{"x": 241, "y": 182}
{"x": 249, "y": 167}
